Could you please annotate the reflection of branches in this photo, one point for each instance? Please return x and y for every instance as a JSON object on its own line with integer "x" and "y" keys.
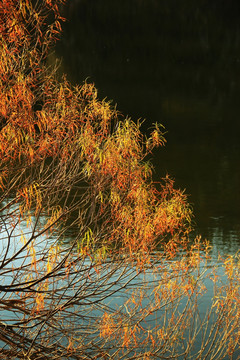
{"x": 81, "y": 222}
{"x": 76, "y": 306}
{"x": 79, "y": 306}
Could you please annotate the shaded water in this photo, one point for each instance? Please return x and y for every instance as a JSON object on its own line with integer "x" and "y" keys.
{"x": 177, "y": 63}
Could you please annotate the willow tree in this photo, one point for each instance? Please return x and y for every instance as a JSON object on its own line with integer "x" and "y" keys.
{"x": 85, "y": 233}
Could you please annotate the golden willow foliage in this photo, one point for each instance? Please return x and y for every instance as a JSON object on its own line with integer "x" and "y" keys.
{"x": 73, "y": 168}
{"x": 42, "y": 118}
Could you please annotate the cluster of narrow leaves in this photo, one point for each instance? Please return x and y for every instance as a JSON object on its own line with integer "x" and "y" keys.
{"x": 78, "y": 208}
{"x": 169, "y": 316}
{"x": 42, "y": 118}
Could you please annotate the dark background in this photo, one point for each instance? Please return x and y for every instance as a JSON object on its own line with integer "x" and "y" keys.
{"x": 176, "y": 63}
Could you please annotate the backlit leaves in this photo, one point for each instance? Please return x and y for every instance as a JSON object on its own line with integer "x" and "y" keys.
{"x": 95, "y": 256}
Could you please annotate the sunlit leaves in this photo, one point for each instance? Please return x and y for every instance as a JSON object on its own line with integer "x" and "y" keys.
{"x": 30, "y": 197}
{"x": 73, "y": 168}
{"x": 156, "y": 138}
{"x": 84, "y": 139}
{"x": 52, "y": 258}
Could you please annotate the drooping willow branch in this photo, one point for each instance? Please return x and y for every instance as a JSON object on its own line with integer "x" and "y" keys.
{"x": 95, "y": 260}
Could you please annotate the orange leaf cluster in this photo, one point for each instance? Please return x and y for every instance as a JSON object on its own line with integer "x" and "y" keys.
{"x": 42, "y": 118}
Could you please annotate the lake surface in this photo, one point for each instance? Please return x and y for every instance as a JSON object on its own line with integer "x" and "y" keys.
{"x": 177, "y": 63}
{"x": 113, "y": 286}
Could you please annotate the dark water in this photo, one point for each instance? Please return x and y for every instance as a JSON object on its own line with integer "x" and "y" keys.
{"x": 177, "y": 63}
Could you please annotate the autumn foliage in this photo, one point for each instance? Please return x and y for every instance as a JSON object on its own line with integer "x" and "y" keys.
{"x": 81, "y": 220}
{"x": 46, "y": 119}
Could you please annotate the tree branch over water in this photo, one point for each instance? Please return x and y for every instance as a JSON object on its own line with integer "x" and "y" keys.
{"x": 95, "y": 260}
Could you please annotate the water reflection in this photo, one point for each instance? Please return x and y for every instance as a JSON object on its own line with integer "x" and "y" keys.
{"x": 115, "y": 286}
